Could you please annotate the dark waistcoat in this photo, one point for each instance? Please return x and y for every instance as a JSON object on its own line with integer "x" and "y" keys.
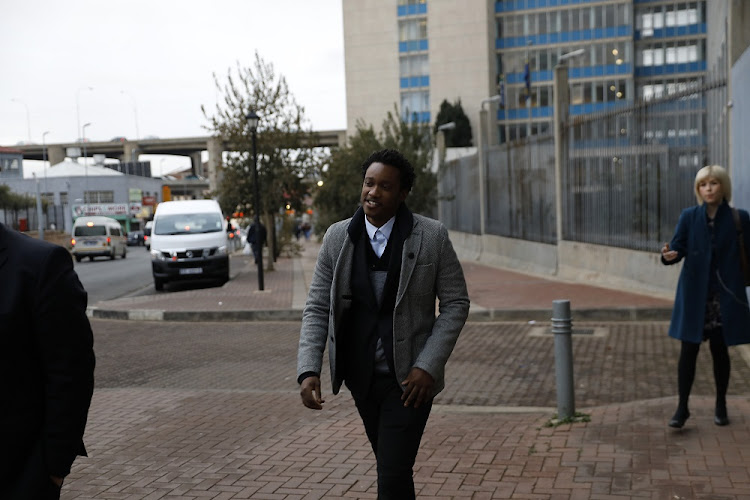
{"x": 367, "y": 322}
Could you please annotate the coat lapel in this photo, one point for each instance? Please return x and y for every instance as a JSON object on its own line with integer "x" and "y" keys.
{"x": 412, "y": 244}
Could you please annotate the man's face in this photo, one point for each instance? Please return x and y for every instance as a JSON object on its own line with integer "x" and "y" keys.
{"x": 381, "y": 193}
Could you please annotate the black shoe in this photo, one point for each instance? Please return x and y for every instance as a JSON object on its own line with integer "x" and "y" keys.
{"x": 679, "y": 419}
{"x": 720, "y": 416}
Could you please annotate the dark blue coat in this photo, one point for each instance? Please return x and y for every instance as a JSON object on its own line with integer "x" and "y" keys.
{"x": 692, "y": 241}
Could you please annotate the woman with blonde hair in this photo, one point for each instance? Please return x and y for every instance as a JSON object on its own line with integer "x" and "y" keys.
{"x": 710, "y": 303}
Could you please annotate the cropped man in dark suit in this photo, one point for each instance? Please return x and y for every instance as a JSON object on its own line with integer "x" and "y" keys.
{"x": 46, "y": 366}
{"x": 372, "y": 299}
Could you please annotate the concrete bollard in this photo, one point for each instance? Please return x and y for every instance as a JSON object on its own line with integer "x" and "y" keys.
{"x": 561, "y": 327}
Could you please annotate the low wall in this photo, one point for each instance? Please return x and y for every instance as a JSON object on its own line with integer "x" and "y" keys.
{"x": 609, "y": 267}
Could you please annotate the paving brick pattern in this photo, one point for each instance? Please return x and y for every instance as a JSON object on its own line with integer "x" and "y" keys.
{"x": 211, "y": 410}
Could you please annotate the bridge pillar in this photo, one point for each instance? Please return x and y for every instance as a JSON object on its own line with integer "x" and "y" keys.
{"x": 215, "y": 154}
{"x": 55, "y": 154}
{"x": 130, "y": 152}
{"x": 196, "y": 163}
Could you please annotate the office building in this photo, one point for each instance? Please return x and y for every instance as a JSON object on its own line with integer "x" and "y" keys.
{"x": 414, "y": 54}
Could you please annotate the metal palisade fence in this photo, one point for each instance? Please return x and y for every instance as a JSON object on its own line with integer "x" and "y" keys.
{"x": 626, "y": 174}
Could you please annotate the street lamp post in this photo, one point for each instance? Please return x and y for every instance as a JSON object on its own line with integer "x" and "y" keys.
{"x": 252, "y": 120}
{"x": 44, "y": 158}
{"x": 28, "y": 120}
{"x": 78, "y": 109}
{"x": 135, "y": 112}
{"x": 85, "y": 160}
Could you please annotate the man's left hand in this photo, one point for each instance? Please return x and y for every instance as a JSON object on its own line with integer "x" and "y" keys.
{"x": 417, "y": 387}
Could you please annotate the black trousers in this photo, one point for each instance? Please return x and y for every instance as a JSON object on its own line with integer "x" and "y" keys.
{"x": 394, "y": 432}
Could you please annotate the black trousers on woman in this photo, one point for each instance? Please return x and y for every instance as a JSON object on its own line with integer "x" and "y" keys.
{"x": 686, "y": 371}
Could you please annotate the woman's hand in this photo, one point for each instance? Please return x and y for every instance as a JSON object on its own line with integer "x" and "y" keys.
{"x": 667, "y": 254}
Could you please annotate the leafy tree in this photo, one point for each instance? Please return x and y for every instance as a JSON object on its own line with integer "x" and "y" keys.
{"x": 284, "y": 155}
{"x": 15, "y": 202}
{"x": 459, "y": 136}
{"x": 339, "y": 196}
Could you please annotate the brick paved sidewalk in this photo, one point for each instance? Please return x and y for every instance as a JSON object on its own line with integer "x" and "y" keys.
{"x": 211, "y": 410}
{"x": 496, "y": 294}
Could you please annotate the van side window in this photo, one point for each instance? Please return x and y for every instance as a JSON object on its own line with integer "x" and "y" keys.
{"x": 116, "y": 231}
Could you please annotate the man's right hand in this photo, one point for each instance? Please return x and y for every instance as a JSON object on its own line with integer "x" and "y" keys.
{"x": 310, "y": 392}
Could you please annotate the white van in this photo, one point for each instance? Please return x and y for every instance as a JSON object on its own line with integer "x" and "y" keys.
{"x": 98, "y": 236}
{"x": 188, "y": 241}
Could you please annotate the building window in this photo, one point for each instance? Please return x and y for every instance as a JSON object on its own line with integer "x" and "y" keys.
{"x": 99, "y": 197}
{"x": 63, "y": 198}
{"x": 414, "y": 65}
{"x": 412, "y": 29}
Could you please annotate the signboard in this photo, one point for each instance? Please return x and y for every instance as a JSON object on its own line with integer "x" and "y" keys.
{"x": 149, "y": 200}
{"x": 135, "y": 194}
{"x": 166, "y": 193}
{"x": 106, "y": 209}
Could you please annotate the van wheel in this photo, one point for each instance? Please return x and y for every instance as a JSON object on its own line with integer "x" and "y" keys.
{"x": 91, "y": 258}
{"x": 78, "y": 258}
{"x": 124, "y": 253}
{"x": 159, "y": 284}
{"x": 112, "y": 255}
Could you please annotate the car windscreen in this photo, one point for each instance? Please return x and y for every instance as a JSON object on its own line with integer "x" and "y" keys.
{"x": 90, "y": 231}
{"x": 188, "y": 223}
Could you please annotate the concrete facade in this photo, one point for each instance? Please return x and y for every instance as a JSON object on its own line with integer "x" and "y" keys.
{"x": 370, "y": 61}
{"x": 462, "y": 62}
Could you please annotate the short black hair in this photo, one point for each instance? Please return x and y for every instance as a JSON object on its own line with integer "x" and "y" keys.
{"x": 394, "y": 159}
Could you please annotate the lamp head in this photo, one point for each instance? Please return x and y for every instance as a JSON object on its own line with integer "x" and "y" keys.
{"x": 252, "y": 120}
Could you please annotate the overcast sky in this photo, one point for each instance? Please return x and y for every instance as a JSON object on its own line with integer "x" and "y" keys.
{"x": 156, "y": 59}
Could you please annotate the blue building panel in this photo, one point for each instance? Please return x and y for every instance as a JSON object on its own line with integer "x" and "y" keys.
{"x": 513, "y": 5}
{"x": 670, "y": 32}
{"x": 413, "y": 46}
{"x": 670, "y": 69}
{"x": 412, "y": 10}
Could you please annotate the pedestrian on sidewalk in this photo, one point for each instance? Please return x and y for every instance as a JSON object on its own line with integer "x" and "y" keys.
{"x": 372, "y": 298}
{"x": 46, "y": 366}
{"x": 256, "y": 236}
{"x": 710, "y": 303}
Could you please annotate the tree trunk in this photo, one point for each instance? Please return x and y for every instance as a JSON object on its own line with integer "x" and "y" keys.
{"x": 270, "y": 224}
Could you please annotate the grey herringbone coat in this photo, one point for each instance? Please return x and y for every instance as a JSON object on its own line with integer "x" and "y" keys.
{"x": 429, "y": 269}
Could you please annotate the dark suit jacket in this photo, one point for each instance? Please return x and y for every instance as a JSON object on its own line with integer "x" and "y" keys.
{"x": 46, "y": 360}
{"x": 429, "y": 269}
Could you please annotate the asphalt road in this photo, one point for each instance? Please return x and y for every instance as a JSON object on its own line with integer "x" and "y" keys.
{"x": 106, "y": 279}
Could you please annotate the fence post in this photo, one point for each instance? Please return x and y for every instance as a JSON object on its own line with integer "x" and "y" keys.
{"x": 561, "y": 328}
{"x": 561, "y": 96}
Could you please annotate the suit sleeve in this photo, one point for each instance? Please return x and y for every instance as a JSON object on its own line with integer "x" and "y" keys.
{"x": 453, "y": 308}
{"x": 315, "y": 317}
{"x": 65, "y": 341}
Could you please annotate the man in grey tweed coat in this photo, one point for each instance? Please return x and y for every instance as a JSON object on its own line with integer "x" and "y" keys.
{"x": 372, "y": 300}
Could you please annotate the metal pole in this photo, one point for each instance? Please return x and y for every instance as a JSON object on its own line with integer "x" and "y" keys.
{"x": 561, "y": 327}
{"x": 39, "y": 224}
{"x": 85, "y": 162}
{"x": 44, "y": 159}
{"x": 257, "y": 213}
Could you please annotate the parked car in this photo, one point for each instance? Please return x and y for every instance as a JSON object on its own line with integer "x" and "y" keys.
{"x": 147, "y": 234}
{"x": 97, "y": 236}
{"x": 135, "y": 238}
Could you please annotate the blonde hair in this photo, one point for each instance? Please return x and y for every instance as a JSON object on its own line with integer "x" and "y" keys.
{"x": 720, "y": 174}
